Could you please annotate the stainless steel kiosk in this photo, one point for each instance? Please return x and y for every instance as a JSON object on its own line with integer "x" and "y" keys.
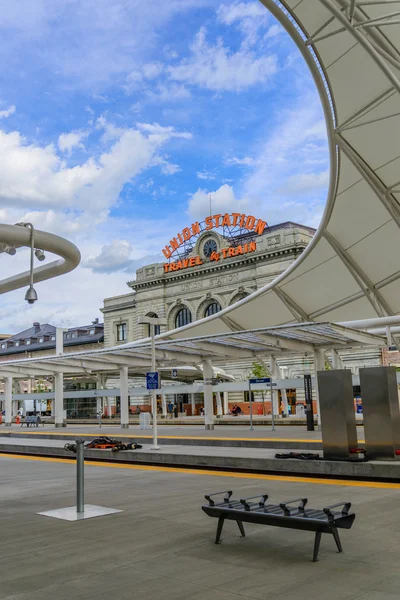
{"x": 338, "y": 420}
{"x": 381, "y": 414}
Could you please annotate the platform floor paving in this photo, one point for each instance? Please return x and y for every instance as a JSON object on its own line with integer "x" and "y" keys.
{"x": 161, "y": 546}
{"x": 189, "y": 431}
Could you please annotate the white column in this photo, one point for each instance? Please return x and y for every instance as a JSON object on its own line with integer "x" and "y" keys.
{"x": 282, "y": 371}
{"x": 164, "y": 405}
{"x": 274, "y": 375}
{"x": 219, "y": 404}
{"x": 59, "y": 383}
{"x": 124, "y": 399}
{"x": 208, "y": 395}
{"x": 336, "y": 360}
{"x": 100, "y": 386}
{"x": 193, "y": 402}
{"x": 59, "y": 399}
{"x": 8, "y": 401}
{"x": 109, "y": 406}
{"x": 319, "y": 365}
{"x": 226, "y": 403}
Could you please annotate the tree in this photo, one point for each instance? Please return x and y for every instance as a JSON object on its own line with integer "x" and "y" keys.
{"x": 260, "y": 371}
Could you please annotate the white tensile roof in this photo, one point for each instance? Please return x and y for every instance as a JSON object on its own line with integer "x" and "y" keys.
{"x": 351, "y": 269}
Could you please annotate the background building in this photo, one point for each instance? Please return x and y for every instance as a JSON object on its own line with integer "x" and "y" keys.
{"x": 40, "y": 340}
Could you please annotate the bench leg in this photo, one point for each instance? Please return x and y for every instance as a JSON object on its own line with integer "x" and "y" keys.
{"x": 335, "y": 534}
{"x": 316, "y": 545}
{"x": 241, "y": 528}
{"x": 219, "y": 529}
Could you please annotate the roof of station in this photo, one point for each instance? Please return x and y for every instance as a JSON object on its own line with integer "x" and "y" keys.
{"x": 256, "y": 344}
{"x": 351, "y": 269}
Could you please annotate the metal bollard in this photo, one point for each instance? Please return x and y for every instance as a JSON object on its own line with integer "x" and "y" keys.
{"x": 80, "y": 482}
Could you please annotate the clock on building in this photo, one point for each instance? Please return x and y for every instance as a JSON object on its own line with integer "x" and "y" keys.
{"x": 209, "y": 247}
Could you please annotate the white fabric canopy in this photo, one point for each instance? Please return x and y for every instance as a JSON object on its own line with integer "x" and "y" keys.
{"x": 351, "y": 269}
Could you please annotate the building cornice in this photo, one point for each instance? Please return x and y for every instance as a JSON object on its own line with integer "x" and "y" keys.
{"x": 216, "y": 268}
{"x": 117, "y": 307}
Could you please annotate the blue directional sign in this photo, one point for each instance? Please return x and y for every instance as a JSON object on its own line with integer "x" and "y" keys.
{"x": 153, "y": 381}
{"x": 260, "y": 380}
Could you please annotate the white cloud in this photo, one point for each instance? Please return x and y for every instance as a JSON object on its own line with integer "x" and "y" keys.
{"x": 217, "y": 68}
{"x": 246, "y": 161}
{"x": 222, "y": 200}
{"x": 113, "y": 257}
{"x": 68, "y": 141}
{"x": 4, "y": 114}
{"x": 152, "y": 70}
{"x": 169, "y": 92}
{"x": 273, "y": 31}
{"x": 250, "y": 17}
{"x": 36, "y": 175}
{"x": 205, "y": 175}
{"x": 305, "y": 183}
{"x": 118, "y": 256}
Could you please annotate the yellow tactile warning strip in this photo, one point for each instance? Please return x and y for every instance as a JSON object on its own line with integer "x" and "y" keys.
{"x": 236, "y": 475}
{"x": 176, "y": 437}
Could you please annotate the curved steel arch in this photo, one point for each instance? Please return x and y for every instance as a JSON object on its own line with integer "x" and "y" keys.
{"x": 15, "y": 235}
{"x": 351, "y": 268}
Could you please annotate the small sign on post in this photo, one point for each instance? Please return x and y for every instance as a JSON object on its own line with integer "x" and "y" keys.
{"x": 153, "y": 380}
{"x": 309, "y": 402}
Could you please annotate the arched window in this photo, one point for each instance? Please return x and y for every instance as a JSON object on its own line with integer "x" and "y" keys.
{"x": 184, "y": 317}
{"x": 157, "y": 328}
{"x": 238, "y": 297}
{"x": 212, "y": 308}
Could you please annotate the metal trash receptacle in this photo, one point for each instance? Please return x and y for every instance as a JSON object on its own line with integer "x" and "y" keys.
{"x": 381, "y": 413}
{"x": 338, "y": 420}
{"x": 144, "y": 420}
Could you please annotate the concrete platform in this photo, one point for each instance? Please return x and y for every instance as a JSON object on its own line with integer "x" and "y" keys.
{"x": 260, "y": 460}
{"x": 161, "y": 547}
{"x": 296, "y": 438}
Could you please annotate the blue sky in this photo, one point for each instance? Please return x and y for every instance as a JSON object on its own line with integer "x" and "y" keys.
{"x": 118, "y": 119}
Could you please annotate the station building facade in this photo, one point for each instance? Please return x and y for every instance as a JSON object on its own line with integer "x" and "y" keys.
{"x": 208, "y": 267}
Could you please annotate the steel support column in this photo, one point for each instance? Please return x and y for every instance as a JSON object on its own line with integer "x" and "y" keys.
{"x": 274, "y": 374}
{"x": 124, "y": 398}
{"x": 59, "y": 399}
{"x": 208, "y": 395}
{"x": 319, "y": 365}
{"x": 226, "y": 403}
{"x": 219, "y": 404}
{"x": 8, "y": 401}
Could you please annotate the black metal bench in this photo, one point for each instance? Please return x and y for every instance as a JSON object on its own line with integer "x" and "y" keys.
{"x": 321, "y": 521}
{"x": 32, "y": 420}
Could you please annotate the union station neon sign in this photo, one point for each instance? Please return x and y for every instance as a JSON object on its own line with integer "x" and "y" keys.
{"x": 237, "y": 224}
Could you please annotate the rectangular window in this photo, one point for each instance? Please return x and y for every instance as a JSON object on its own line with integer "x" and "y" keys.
{"x": 3, "y": 345}
{"x": 16, "y": 343}
{"x": 53, "y": 337}
{"x": 41, "y": 340}
{"x": 28, "y": 342}
{"x": 91, "y": 332}
{"x": 121, "y": 332}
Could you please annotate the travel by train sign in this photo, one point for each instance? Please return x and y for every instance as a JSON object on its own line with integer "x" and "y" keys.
{"x": 238, "y": 229}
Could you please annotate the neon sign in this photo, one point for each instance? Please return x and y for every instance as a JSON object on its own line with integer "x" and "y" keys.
{"x": 235, "y": 227}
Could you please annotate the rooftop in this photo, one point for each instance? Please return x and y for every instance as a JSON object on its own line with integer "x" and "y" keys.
{"x": 42, "y": 336}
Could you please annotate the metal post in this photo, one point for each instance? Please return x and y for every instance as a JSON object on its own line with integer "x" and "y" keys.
{"x": 8, "y": 401}
{"x": 272, "y": 404}
{"x": 251, "y": 408}
{"x": 80, "y": 479}
{"x": 208, "y": 395}
{"x": 154, "y": 392}
{"x": 124, "y": 396}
